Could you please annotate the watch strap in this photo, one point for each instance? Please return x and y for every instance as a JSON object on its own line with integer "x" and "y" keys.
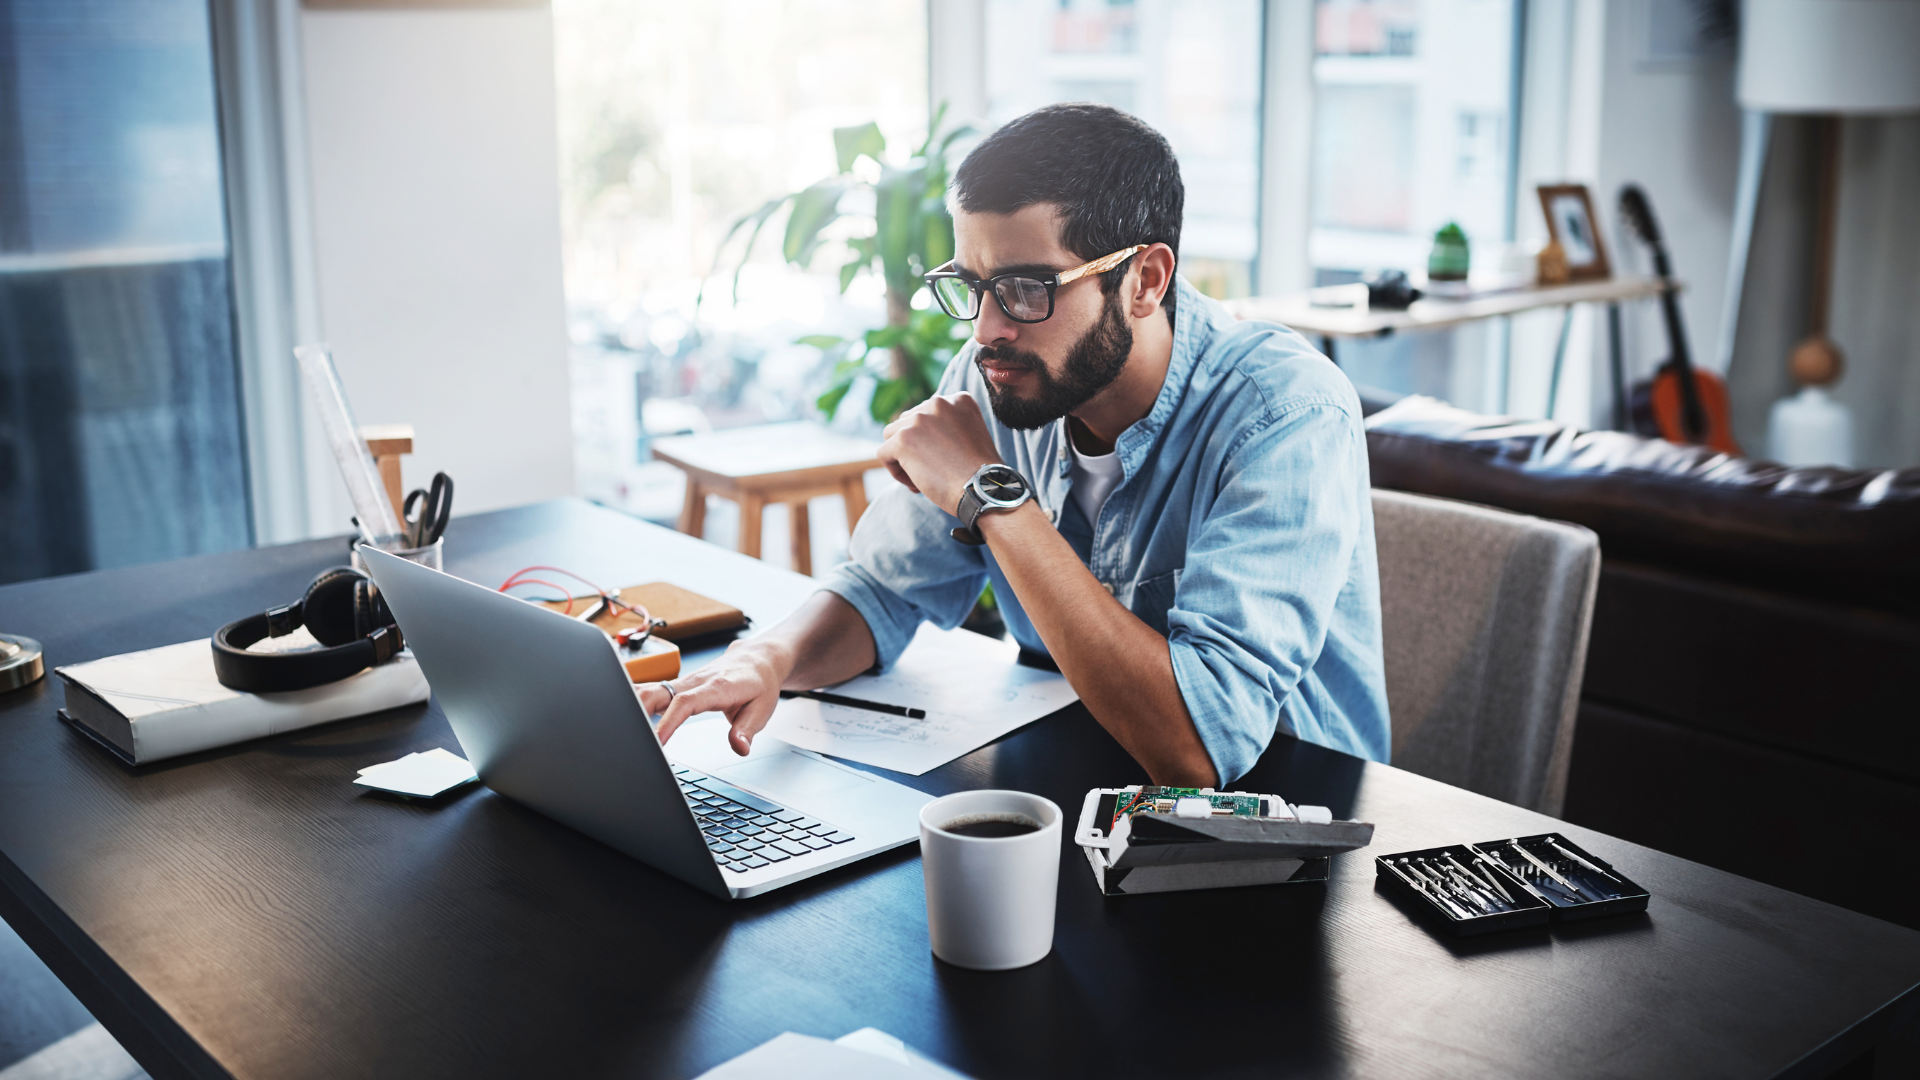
{"x": 969, "y": 512}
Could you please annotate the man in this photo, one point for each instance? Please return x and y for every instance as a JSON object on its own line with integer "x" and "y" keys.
{"x": 1172, "y": 505}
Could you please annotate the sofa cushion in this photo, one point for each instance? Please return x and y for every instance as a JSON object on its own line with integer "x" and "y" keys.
{"x": 1851, "y": 535}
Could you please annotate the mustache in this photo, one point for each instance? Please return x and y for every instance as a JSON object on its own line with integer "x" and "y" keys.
{"x": 1003, "y": 355}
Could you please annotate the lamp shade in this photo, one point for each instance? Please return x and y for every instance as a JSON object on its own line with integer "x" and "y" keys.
{"x": 1830, "y": 56}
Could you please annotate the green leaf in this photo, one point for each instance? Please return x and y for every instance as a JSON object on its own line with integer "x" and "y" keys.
{"x": 851, "y": 142}
{"x": 829, "y": 402}
{"x": 937, "y": 245}
{"x": 819, "y": 341}
{"x": 896, "y": 208}
{"x": 848, "y": 271}
{"x": 813, "y": 209}
{"x": 890, "y": 399}
{"x": 886, "y": 337}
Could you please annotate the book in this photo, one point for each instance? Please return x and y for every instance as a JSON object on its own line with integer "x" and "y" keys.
{"x": 160, "y": 703}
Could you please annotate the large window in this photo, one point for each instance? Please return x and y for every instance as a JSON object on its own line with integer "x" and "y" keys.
{"x": 1191, "y": 68}
{"x": 1411, "y": 128}
{"x": 120, "y": 429}
{"x": 676, "y": 119}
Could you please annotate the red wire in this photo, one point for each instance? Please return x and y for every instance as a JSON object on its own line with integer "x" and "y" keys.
{"x": 645, "y": 616}
{"x": 564, "y": 598}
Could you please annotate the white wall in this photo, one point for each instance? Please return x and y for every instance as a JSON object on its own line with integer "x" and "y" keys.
{"x": 1599, "y": 112}
{"x": 1673, "y": 128}
{"x": 436, "y": 223}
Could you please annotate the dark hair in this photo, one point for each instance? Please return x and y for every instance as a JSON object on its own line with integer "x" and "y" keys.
{"x": 1115, "y": 180}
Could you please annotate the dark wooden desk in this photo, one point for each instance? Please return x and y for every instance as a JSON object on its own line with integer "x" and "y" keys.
{"x": 249, "y": 913}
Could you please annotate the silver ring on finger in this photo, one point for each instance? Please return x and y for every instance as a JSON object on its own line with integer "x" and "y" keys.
{"x": 671, "y": 694}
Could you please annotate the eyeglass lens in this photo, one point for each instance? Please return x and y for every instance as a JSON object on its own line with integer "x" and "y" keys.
{"x": 1022, "y": 297}
{"x": 1025, "y": 298}
{"x": 957, "y": 297}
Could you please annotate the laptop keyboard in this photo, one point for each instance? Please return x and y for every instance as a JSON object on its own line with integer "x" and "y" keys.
{"x": 745, "y": 831}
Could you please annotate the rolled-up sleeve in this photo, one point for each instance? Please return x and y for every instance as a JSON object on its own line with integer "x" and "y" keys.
{"x": 1264, "y": 569}
{"x": 904, "y": 567}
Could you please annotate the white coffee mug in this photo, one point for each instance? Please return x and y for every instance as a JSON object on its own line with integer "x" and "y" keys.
{"x": 990, "y": 898}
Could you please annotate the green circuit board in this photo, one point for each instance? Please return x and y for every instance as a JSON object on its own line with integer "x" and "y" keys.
{"x": 1160, "y": 800}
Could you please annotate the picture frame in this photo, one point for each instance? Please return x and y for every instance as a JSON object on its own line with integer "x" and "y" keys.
{"x": 1571, "y": 224}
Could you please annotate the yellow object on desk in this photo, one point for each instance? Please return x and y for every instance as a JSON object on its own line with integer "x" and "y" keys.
{"x": 657, "y": 660}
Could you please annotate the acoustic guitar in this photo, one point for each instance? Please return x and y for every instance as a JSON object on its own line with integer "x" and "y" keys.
{"x": 1681, "y": 403}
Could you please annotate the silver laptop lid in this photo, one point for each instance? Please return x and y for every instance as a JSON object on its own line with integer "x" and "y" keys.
{"x": 545, "y": 712}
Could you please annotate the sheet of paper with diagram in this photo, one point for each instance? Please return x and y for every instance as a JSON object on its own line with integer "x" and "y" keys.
{"x": 971, "y": 686}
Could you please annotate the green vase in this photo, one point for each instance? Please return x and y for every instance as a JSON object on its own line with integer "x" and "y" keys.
{"x": 1450, "y": 256}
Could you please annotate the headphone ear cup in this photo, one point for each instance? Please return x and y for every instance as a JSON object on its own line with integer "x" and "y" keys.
{"x": 332, "y": 609}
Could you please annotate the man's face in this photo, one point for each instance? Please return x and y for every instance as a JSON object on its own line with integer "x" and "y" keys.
{"x": 1038, "y": 372}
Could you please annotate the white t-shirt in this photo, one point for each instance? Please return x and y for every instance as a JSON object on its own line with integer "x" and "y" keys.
{"x": 1094, "y": 478}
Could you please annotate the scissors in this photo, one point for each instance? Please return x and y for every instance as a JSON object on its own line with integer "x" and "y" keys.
{"x": 436, "y": 506}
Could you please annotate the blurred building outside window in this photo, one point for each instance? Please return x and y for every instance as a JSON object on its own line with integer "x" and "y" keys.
{"x": 1190, "y": 68}
{"x": 121, "y": 436}
{"x": 1411, "y": 130}
{"x": 675, "y": 120}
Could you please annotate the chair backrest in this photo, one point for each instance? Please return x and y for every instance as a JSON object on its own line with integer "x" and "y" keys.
{"x": 1484, "y": 618}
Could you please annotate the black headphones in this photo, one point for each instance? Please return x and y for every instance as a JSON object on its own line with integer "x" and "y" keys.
{"x": 343, "y": 610}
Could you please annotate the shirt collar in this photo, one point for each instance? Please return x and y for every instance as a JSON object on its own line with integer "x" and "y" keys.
{"x": 1192, "y": 329}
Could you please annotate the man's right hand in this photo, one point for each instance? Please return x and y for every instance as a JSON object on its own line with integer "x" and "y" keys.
{"x": 744, "y": 685}
{"x": 823, "y": 643}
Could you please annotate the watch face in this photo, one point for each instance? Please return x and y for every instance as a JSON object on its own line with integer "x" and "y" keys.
{"x": 1000, "y": 485}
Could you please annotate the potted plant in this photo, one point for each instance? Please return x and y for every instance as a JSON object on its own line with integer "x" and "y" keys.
{"x": 912, "y": 233}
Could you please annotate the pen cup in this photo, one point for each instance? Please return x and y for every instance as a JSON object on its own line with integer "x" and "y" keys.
{"x": 992, "y": 866}
{"x": 428, "y": 556}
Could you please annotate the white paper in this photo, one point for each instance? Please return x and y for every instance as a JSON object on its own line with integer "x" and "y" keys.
{"x": 971, "y": 686}
{"x": 867, "y": 1054}
{"x": 423, "y": 775}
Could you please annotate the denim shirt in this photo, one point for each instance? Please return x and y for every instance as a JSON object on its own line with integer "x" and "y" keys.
{"x": 1242, "y": 529}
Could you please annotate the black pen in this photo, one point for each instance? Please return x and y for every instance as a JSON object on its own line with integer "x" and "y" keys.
{"x": 857, "y": 703}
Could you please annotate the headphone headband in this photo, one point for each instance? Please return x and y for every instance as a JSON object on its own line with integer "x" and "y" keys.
{"x": 266, "y": 673}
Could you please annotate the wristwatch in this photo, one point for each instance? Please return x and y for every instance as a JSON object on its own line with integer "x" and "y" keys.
{"x": 993, "y": 487}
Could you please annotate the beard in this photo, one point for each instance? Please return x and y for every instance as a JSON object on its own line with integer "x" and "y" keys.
{"x": 1091, "y": 366}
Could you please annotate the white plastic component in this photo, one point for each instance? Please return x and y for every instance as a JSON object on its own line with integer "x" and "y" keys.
{"x": 1314, "y": 815}
{"x": 1192, "y": 806}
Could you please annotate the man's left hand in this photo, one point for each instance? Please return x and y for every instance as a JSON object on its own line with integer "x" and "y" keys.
{"x": 935, "y": 447}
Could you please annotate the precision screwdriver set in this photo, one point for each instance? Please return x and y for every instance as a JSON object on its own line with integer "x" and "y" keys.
{"x": 1502, "y": 884}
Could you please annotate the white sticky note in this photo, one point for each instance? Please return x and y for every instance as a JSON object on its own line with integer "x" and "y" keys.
{"x": 422, "y": 775}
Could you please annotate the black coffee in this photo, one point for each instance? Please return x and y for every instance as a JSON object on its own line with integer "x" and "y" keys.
{"x": 990, "y": 828}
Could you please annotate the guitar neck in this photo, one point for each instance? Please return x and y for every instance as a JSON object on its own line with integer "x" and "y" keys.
{"x": 1694, "y": 417}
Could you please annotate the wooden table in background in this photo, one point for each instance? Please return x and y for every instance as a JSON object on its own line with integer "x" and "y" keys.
{"x": 773, "y": 463}
{"x": 1298, "y": 312}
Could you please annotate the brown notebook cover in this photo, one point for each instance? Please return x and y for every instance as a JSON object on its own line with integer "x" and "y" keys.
{"x": 688, "y": 614}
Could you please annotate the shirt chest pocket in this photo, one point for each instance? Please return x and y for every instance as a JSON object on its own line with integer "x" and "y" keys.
{"x": 1153, "y": 598}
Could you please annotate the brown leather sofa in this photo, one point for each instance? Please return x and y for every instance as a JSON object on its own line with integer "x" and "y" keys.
{"x": 1752, "y": 689}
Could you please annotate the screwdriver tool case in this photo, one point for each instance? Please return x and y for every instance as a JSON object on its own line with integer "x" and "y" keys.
{"x": 1501, "y": 884}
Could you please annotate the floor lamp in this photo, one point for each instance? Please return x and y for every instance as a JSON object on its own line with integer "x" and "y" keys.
{"x": 1829, "y": 59}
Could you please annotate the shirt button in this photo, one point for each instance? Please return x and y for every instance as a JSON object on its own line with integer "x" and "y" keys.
{"x": 1107, "y": 585}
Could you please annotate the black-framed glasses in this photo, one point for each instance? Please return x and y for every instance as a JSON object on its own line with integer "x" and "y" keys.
{"x": 1023, "y": 297}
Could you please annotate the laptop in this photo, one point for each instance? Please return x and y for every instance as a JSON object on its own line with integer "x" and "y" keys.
{"x": 543, "y": 710}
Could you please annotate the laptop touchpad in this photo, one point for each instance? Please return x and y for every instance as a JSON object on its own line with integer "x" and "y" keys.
{"x": 793, "y": 777}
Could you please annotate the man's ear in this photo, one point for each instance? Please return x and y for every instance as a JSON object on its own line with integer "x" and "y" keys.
{"x": 1153, "y": 270}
